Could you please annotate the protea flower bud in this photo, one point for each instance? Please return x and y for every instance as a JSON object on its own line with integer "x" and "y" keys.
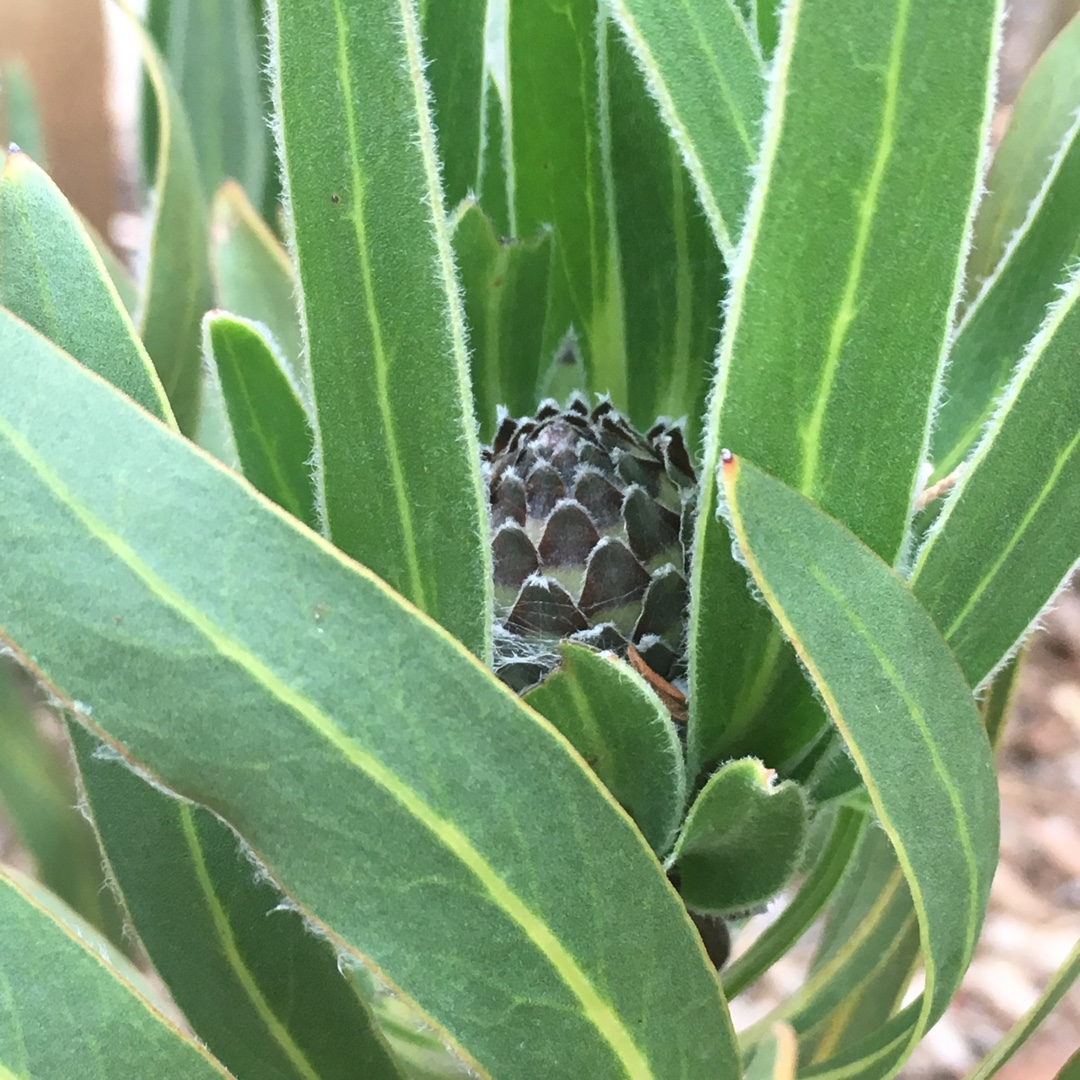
{"x": 591, "y": 525}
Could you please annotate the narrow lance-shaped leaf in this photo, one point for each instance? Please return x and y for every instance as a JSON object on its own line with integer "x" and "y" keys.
{"x": 705, "y": 71}
{"x": 998, "y": 552}
{"x": 1041, "y": 116}
{"x": 398, "y": 464}
{"x": 454, "y": 45}
{"x": 824, "y": 379}
{"x": 52, "y": 276}
{"x": 854, "y": 945}
{"x": 176, "y": 287}
{"x": 38, "y": 803}
{"x": 493, "y": 182}
{"x": 253, "y": 275}
{"x": 557, "y": 61}
{"x": 70, "y": 1006}
{"x": 212, "y": 51}
{"x": 898, "y": 698}
{"x": 286, "y": 688}
{"x": 505, "y": 288}
{"x": 259, "y": 989}
{"x": 270, "y": 428}
{"x": 622, "y": 730}
{"x": 1060, "y": 984}
{"x": 1009, "y": 311}
{"x": 671, "y": 269}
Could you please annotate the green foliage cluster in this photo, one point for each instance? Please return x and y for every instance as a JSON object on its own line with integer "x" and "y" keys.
{"x": 245, "y": 535}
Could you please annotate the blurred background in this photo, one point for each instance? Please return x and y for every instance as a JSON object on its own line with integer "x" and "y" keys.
{"x": 70, "y": 90}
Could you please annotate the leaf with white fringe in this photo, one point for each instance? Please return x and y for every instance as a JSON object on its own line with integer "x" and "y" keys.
{"x": 899, "y": 700}
{"x": 998, "y": 552}
{"x": 703, "y": 67}
{"x": 70, "y": 1005}
{"x": 1010, "y": 307}
{"x": 397, "y": 461}
{"x": 839, "y": 315}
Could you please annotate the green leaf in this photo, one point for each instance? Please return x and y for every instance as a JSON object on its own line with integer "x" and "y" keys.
{"x": 803, "y": 909}
{"x": 260, "y": 989}
{"x": 559, "y": 137}
{"x": 997, "y": 552}
{"x": 176, "y": 288}
{"x": 1009, "y": 310}
{"x": 1043, "y": 113}
{"x": 336, "y": 727}
{"x": 454, "y": 45}
{"x": 52, "y": 276}
{"x": 672, "y": 272}
{"x": 70, "y": 1006}
{"x": 398, "y": 462}
{"x": 742, "y": 840}
{"x": 493, "y": 183}
{"x": 273, "y": 438}
{"x": 253, "y": 275}
{"x": 619, "y": 726}
{"x": 821, "y": 368}
{"x": 704, "y": 69}
{"x": 38, "y": 802}
{"x": 883, "y": 671}
{"x": 871, "y": 927}
{"x": 505, "y": 289}
{"x": 776, "y": 1058}
{"x": 1062, "y": 982}
{"x": 1071, "y": 1069}
{"x": 117, "y": 270}
{"x": 22, "y": 117}
{"x": 212, "y": 51}
{"x": 767, "y": 22}
{"x": 868, "y": 1005}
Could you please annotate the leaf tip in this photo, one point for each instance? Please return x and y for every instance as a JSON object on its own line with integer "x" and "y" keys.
{"x": 729, "y": 466}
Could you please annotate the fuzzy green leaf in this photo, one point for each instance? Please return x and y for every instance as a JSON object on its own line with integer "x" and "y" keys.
{"x": 454, "y": 46}
{"x": 704, "y": 69}
{"x": 291, "y": 686}
{"x": 38, "y": 802}
{"x": 1043, "y": 113}
{"x": 998, "y": 552}
{"x": 742, "y": 840}
{"x": 258, "y": 987}
{"x": 615, "y": 722}
{"x": 71, "y": 1006}
{"x": 505, "y": 287}
{"x": 1060, "y": 984}
{"x": 671, "y": 269}
{"x": 212, "y": 50}
{"x": 273, "y": 439}
{"x": 176, "y": 288}
{"x": 883, "y": 670}
{"x": 493, "y": 184}
{"x": 1009, "y": 310}
{"x": 557, "y": 60}
{"x": 820, "y": 367}
{"x": 398, "y": 463}
{"x": 804, "y": 908}
{"x": 253, "y": 275}
{"x": 52, "y": 276}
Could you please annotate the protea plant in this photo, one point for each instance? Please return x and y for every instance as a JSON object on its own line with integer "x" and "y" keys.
{"x": 409, "y": 759}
